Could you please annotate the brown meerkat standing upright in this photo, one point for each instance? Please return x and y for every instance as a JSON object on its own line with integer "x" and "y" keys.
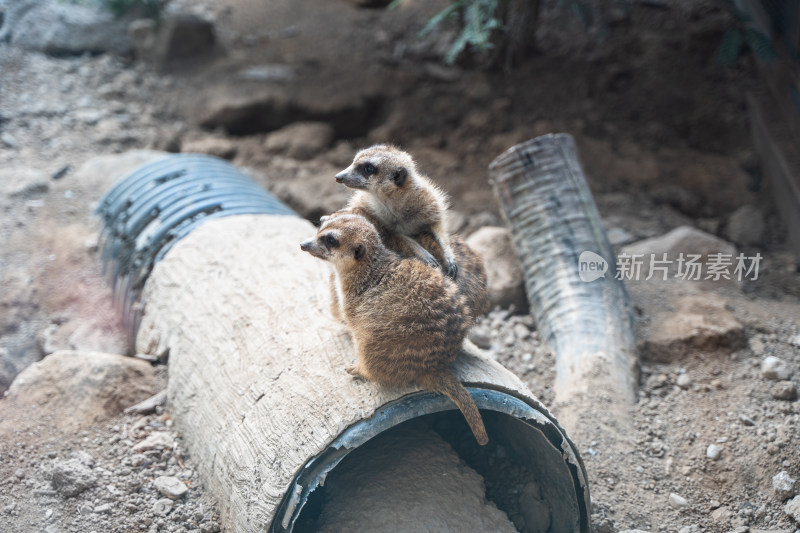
{"x": 409, "y": 212}
{"x": 407, "y": 318}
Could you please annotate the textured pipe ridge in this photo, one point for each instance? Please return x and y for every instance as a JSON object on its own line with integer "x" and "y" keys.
{"x": 553, "y": 219}
{"x": 153, "y": 207}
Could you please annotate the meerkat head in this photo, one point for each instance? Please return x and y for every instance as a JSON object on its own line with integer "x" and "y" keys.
{"x": 343, "y": 240}
{"x": 380, "y": 169}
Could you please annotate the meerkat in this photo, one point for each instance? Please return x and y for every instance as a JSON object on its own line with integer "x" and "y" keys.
{"x": 391, "y": 206}
{"x": 406, "y": 318}
{"x": 389, "y": 186}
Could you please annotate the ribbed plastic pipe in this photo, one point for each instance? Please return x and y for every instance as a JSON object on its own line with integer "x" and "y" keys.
{"x": 581, "y": 310}
{"x": 257, "y": 385}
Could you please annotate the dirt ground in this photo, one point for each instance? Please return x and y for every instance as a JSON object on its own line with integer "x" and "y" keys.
{"x": 663, "y": 134}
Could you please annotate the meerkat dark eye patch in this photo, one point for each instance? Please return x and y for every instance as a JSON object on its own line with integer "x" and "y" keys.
{"x": 331, "y": 241}
{"x": 368, "y": 169}
{"x": 399, "y": 176}
{"x": 359, "y": 251}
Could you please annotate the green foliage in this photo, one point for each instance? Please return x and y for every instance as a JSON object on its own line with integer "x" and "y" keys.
{"x": 478, "y": 20}
{"x": 144, "y": 8}
{"x": 742, "y": 33}
{"x": 482, "y": 24}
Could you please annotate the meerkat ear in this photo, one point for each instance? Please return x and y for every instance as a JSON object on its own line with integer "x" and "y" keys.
{"x": 359, "y": 251}
{"x": 399, "y": 176}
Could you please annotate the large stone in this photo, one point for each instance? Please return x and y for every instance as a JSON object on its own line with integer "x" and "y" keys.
{"x": 22, "y": 183}
{"x": 313, "y": 191}
{"x": 57, "y": 27}
{"x": 301, "y": 140}
{"x": 746, "y": 226}
{"x": 792, "y": 508}
{"x": 505, "y": 283}
{"x": 80, "y": 388}
{"x": 183, "y": 36}
{"x": 698, "y": 324}
{"x": 216, "y": 146}
{"x": 775, "y": 368}
{"x": 682, "y": 242}
{"x": 784, "y": 485}
{"x": 245, "y": 110}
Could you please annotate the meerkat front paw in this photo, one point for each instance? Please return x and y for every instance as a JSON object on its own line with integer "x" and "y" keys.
{"x": 355, "y": 372}
{"x": 430, "y": 261}
{"x": 451, "y": 268}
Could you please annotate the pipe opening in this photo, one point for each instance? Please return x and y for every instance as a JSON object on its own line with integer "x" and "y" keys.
{"x": 418, "y": 448}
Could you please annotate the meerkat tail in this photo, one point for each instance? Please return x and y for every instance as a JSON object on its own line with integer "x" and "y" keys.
{"x": 449, "y": 385}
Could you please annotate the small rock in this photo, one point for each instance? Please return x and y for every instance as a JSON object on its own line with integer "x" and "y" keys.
{"x": 521, "y": 331}
{"x": 775, "y": 368}
{"x": 504, "y": 282}
{"x": 171, "y": 487}
{"x": 158, "y": 440}
{"x": 8, "y": 140}
{"x": 678, "y": 502}
{"x": 20, "y": 473}
{"x": 784, "y": 390}
{"x": 633, "y": 531}
{"x": 792, "y": 508}
{"x": 209, "y": 527}
{"x": 481, "y": 338}
{"x": 69, "y": 477}
{"x": 149, "y": 405}
{"x": 746, "y": 420}
{"x": 756, "y": 346}
{"x": 721, "y": 514}
{"x": 684, "y": 381}
{"x": 783, "y": 485}
{"x": 746, "y": 226}
{"x": 713, "y": 452}
{"x": 276, "y": 73}
{"x": 163, "y": 506}
{"x": 104, "y": 508}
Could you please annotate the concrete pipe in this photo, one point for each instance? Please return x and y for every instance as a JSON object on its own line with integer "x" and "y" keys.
{"x": 210, "y": 270}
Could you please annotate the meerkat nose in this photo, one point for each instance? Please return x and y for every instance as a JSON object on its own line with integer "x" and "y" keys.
{"x": 306, "y": 245}
{"x": 340, "y": 176}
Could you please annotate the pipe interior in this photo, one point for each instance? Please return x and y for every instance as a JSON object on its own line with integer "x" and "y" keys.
{"x": 524, "y": 475}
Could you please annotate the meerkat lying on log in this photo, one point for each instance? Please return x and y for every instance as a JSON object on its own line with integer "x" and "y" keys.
{"x": 407, "y": 319}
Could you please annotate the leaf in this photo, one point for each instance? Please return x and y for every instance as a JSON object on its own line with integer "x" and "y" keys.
{"x": 729, "y": 48}
{"x": 440, "y": 17}
{"x": 761, "y": 45}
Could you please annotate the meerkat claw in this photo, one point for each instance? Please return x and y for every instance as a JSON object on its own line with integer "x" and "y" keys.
{"x": 452, "y": 269}
{"x": 353, "y": 371}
